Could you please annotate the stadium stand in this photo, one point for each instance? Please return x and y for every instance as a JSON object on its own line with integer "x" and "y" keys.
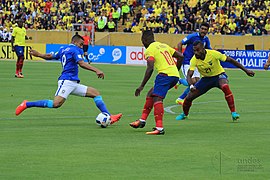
{"x": 226, "y": 17}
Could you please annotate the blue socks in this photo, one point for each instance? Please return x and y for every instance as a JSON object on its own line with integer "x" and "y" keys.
{"x": 41, "y": 103}
{"x": 185, "y": 93}
{"x": 100, "y": 104}
{"x": 183, "y": 81}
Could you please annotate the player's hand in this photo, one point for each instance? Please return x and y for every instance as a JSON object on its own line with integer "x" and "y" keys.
{"x": 250, "y": 73}
{"x": 266, "y": 66}
{"x": 138, "y": 91}
{"x": 100, "y": 74}
{"x": 192, "y": 88}
{"x": 33, "y": 52}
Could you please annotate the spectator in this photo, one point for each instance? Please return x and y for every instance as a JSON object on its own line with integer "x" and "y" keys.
{"x": 101, "y": 24}
{"x": 125, "y": 11}
{"x": 111, "y": 25}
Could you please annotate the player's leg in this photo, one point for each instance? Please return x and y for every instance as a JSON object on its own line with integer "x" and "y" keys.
{"x": 19, "y": 54}
{"x": 148, "y": 105}
{"x": 21, "y": 60}
{"x": 224, "y": 86}
{"x": 162, "y": 84}
{"x": 91, "y": 92}
{"x": 64, "y": 89}
{"x": 202, "y": 86}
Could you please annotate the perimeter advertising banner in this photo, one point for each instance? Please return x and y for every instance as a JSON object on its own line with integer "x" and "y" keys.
{"x": 135, "y": 55}
{"x": 99, "y": 54}
{"x": 249, "y": 59}
{"x": 6, "y": 52}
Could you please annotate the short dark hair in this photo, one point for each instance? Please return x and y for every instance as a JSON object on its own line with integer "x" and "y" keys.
{"x": 76, "y": 37}
{"x": 197, "y": 43}
{"x": 148, "y": 34}
{"x": 205, "y": 24}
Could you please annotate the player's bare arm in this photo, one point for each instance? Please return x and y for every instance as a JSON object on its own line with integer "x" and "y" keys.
{"x": 179, "y": 56}
{"x": 85, "y": 65}
{"x": 237, "y": 64}
{"x": 147, "y": 75}
{"x": 190, "y": 81}
{"x": 35, "y": 53}
{"x": 179, "y": 46}
{"x": 12, "y": 43}
{"x": 267, "y": 64}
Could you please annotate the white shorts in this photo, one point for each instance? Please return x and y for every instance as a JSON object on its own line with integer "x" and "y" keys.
{"x": 185, "y": 68}
{"x": 66, "y": 87}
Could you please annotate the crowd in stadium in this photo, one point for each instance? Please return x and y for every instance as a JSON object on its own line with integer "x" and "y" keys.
{"x": 228, "y": 17}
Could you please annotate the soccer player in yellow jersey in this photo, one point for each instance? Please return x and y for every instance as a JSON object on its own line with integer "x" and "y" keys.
{"x": 18, "y": 44}
{"x": 208, "y": 64}
{"x": 160, "y": 56}
{"x": 267, "y": 64}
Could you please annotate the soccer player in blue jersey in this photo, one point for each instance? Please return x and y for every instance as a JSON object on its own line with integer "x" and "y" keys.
{"x": 160, "y": 56}
{"x": 188, "y": 53}
{"x": 69, "y": 83}
{"x": 213, "y": 75}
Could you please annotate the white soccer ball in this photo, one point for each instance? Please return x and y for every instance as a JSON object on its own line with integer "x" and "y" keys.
{"x": 103, "y": 119}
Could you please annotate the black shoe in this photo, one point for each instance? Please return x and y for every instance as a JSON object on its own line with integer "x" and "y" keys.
{"x": 137, "y": 124}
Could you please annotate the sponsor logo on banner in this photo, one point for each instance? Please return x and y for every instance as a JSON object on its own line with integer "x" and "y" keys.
{"x": 100, "y": 54}
{"x": 249, "y": 59}
{"x": 116, "y": 54}
{"x": 135, "y": 55}
{"x": 6, "y": 52}
{"x": 95, "y": 57}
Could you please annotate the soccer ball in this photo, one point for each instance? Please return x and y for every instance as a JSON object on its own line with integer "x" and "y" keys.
{"x": 103, "y": 119}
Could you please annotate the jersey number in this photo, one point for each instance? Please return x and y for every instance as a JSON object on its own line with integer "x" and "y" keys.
{"x": 168, "y": 57}
{"x": 63, "y": 60}
{"x": 207, "y": 70}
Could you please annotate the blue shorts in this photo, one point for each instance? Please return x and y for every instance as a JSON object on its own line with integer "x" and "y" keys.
{"x": 19, "y": 50}
{"x": 163, "y": 83}
{"x": 207, "y": 83}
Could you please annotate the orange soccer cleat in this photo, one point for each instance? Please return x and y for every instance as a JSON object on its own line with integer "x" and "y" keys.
{"x": 115, "y": 118}
{"x": 21, "y": 108}
{"x": 156, "y": 132}
{"x": 137, "y": 124}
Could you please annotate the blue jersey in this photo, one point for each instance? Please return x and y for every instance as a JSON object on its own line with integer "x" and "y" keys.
{"x": 69, "y": 56}
{"x": 189, "y": 40}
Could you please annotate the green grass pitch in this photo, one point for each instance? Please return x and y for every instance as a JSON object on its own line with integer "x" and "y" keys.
{"x": 66, "y": 143}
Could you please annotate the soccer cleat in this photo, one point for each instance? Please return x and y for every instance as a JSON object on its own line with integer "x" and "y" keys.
{"x": 115, "y": 118}
{"x": 182, "y": 116}
{"x": 18, "y": 76}
{"x": 21, "y": 75}
{"x": 235, "y": 116}
{"x": 137, "y": 124}
{"x": 179, "y": 101}
{"x": 21, "y": 108}
{"x": 156, "y": 132}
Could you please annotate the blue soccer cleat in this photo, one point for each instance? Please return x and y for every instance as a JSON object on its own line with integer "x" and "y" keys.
{"x": 182, "y": 116}
{"x": 235, "y": 116}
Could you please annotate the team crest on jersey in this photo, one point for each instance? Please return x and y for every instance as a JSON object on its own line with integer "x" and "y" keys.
{"x": 63, "y": 91}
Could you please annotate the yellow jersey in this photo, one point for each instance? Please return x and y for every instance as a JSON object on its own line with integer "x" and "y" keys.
{"x": 163, "y": 60}
{"x": 210, "y": 66}
{"x": 19, "y": 36}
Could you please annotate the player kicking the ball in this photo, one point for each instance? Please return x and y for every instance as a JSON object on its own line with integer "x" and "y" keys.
{"x": 68, "y": 83}
{"x": 208, "y": 64}
{"x": 160, "y": 56}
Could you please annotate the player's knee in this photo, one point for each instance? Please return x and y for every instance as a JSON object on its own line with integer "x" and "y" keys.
{"x": 57, "y": 104}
